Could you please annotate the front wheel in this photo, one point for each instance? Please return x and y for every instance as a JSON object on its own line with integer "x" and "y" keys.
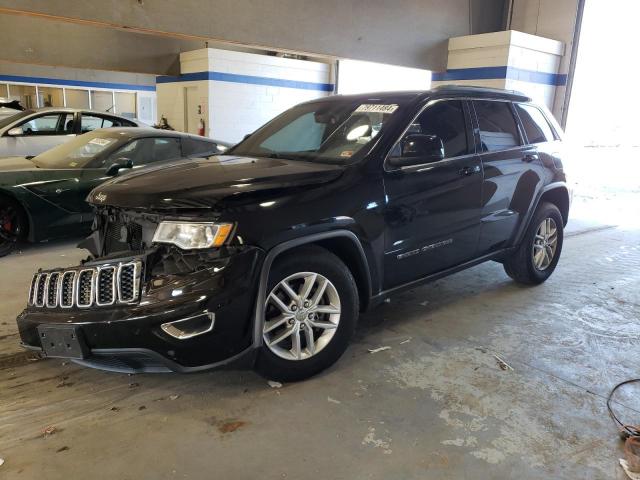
{"x": 537, "y": 256}
{"x": 12, "y": 225}
{"x": 310, "y": 312}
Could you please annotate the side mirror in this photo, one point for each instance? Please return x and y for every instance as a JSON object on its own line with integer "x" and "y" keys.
{"x": 120, "y": 163}
{"x": 418, "y": 149}
{"x": 15, "y": 132}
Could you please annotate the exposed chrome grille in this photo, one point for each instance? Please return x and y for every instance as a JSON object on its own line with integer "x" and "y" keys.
{"x": 67, "y": 289}
{"x": 52, "y": 290}
{"x": 82, "y": 288}
{"x": 128, "y": 282}
{"x": 41, "y": 284}
{"x": 106, "y": 286}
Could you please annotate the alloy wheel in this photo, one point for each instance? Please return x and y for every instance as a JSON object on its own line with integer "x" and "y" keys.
{"x": 9, "y": 224}
{"x": 545, "y": 244}
{"x": 302, "y": 313}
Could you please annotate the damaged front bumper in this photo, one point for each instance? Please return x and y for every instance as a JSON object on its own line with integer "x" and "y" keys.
{"x": 181, "y": 321}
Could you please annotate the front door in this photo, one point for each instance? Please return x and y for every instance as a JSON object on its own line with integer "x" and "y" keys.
{"x": 39, "y": 133}
{"x": 433, "y": 210}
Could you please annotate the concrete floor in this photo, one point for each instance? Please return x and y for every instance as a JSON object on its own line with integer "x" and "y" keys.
{"x": 435, "y": 406}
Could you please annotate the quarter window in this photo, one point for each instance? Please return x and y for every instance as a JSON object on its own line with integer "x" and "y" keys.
{"x": 535, "y": 124}
{"x": 498, "y": 128}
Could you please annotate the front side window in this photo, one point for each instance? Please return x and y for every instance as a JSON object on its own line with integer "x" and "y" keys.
{"x": 445, "y": 120}
{"x": 535, "y": 124}
{"x": 148, "y": 150}
{"x": 49, "y": 124}
{"x": 332, "y": 132}
{"x": 498, "y": 128}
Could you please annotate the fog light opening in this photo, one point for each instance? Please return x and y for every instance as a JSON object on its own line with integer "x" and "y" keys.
{"x": 190, "y": 327}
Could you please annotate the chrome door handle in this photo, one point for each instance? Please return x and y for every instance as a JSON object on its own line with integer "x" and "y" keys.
{"x": 530, "y": 157}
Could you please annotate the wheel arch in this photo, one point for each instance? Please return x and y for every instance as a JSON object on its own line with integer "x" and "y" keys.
{"x": 342, "y": 243}
{"x": 555, "y": 193}
{"x": 4, "y": 195}
{"x": 559, "y": 196}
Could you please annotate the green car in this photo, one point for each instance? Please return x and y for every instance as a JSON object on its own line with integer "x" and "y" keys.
{"x": 43, "y": 197}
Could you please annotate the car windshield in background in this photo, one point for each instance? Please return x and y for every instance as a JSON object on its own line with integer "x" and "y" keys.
{"x": 332, "y": 132}
{"x": 6, "y": 121}
{"x": 79, "y": 152}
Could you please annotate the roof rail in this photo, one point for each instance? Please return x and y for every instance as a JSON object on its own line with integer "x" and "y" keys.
{"x": 475, "y": 88}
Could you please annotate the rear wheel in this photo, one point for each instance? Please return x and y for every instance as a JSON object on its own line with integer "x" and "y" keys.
{"x": 311, "y": 311}
{"x": 537, "y": 256}
{"x": 12, "y": 225}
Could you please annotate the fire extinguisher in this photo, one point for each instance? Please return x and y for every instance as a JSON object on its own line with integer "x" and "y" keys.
{"x": 201, "y": 128}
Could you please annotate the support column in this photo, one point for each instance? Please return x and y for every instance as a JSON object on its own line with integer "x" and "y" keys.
{"x": 511, "y": 60}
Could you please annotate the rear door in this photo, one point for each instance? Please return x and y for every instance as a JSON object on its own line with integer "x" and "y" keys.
{"x": 39, "y": 133}
{"x": 512, "y": 172}
{"x": 433, "y": 210}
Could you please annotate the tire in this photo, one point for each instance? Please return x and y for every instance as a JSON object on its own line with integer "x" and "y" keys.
{"x": 305, "y": 271}
{"x": 530, "y": 264}
{"x": 13, "y": 225}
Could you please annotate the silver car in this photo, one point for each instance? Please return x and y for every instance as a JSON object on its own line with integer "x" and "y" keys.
{"x": 31, "y": 132}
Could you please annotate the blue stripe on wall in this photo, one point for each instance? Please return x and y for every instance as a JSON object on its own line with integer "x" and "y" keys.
{"x": 76, "y": 83}
{"x": 247, "y": 79}
{"x": 492, "y": 73}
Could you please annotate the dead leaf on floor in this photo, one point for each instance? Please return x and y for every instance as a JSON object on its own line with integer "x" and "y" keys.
{"x": 114, "y": 409}
{"x": 174, "y": 397}
{"x": 273, "y": 384}
{"x": 134, "y": 385}
{"x": 50, "y": 430}
{"x": 62, "y": 449}
{"x": 231, "y": 426}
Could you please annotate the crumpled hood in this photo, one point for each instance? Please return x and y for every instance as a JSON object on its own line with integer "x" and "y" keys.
{"x": 205, "y": 183}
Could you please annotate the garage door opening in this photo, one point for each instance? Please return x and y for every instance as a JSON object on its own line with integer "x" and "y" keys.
{"x": 602, "y": 117}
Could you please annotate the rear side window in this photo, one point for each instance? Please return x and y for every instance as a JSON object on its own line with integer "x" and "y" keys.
{"x": 535, "y": 124}
{"x": 498, "y": 128}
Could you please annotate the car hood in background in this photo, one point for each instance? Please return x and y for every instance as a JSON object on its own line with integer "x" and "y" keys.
{"x": 11, "y": 164}
{"x": 204, "y": 183}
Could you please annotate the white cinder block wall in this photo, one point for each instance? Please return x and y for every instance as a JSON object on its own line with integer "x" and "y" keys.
{"x": 510, "y": 59}
{"x": 240, "y": 91}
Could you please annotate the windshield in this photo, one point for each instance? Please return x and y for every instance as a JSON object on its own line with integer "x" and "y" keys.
{"x": 332, "y": 132}
{"x": 6, "y": 121}
{"x": 81, "y": 151}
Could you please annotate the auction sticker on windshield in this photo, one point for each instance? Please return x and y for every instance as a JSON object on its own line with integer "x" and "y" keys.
{"x": 376, "y": 108}
{"x": 103, "y": 142}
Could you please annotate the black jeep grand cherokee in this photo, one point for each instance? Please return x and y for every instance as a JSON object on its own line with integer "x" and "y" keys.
{"x": 268, "y": 253}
